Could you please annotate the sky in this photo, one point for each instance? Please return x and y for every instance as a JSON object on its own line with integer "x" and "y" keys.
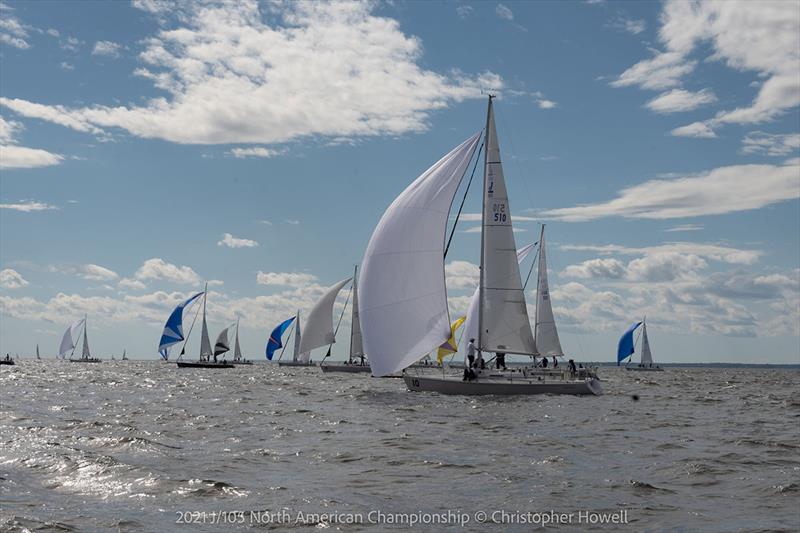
{"x": 147, "y": 147}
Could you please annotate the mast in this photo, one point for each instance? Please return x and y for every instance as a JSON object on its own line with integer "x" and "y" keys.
{"x": 538, "y": 282}
{"x": 483, "y": 226}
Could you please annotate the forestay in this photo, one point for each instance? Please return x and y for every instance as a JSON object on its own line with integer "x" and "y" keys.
{"x": 318, "y": 330}
{"x": 403, "y": 298}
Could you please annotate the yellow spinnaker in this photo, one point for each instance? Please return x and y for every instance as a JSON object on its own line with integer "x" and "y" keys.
{"x": 450, "y": 346}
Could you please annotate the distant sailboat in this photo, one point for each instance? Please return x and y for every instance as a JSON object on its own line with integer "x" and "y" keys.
{"x": 276, "y": 338}
{"x": 318, "y": 328}
{"x": 124, "y": 355}
{"x": 237, "y": 350}
{"x": 403, "y": 297}
{"x": 86, "y": 356}
{"x": 356, "y": 360}
{"x": 37, "y": 352}
{"x": 626, "y": 349}
{"x": 205, "y": 344}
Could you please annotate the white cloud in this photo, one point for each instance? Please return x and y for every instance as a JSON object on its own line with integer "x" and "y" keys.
{"x": 632, "y": 26}
{"x": 709, "y": 251}
{"x": 290, "y": 279}
{"x": 158, "y": 269}
{"x": 13, "y": 32}
{"x": 464, "y": 10}
{"x": 292, "y": 222}
{"x": 546, "y": 104}
{"x": 235, "y": 242}
{"x": 758, "y": 37}
{"x": 661, "y": 267}
{"x": 106, "y": 48}
{"x": 461, "y": 275}
{"x": 685, "y": 227}
{"x": 680, "y": 100}
{"x": 233, "y": 75}
{"x": 258, "y": 151}
{"x": 130, "y": 283}
{"x": 12, "y": 156}
{"x": 718, "y": 191}
{"x": 504, "y": 12}
{"x": 71, "y": 44}
{"x": 28, "y": 206}
{"x": 596, "y": 268}
{"x": 758, "y": 142}
{"x": 11, "y": 279}
{"x": 67, "y": 66}
{"x": 97, "y": 273}
{"x": 699, "y": 130}
{"x": 265, "y": 222}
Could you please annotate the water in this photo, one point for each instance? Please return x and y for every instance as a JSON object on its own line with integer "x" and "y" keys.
{"x": 127, "y": 446}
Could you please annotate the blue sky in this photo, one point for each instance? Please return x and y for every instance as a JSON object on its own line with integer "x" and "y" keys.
{"x": 148, "y": 146}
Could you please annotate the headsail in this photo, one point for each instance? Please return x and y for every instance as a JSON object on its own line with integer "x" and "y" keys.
{"x": 222, "y": 345}
{"x": 319, "y": 324}
{"x": 547, "y": 341}
{"x": 69, "y": 338}
{"x": 85, "y": 352}
{"x": 402, "y": 297}
{"x": 205, "y": 343}
{"x": 296, "y": 355}
{"x": 356, "y": 345}
{"x": 237, "y": 350}
{"x": 173, "y": 329}
{"x": 471, "y": 324}
{"x": 647, "y": 357}
{"x": 625, "y": 348}
{"x": 449, "y": 346}
{"x": 275, "y": 338}
{"x": 503, "y": 320}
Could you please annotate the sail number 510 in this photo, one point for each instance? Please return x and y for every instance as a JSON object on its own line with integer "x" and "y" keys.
{"x": 499, "y": 212}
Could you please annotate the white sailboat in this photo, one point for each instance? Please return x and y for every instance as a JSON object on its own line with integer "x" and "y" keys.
{"x": 646, "y": 356}
{"x": 317, "y": 330}
{"x": 403, "y": 297}
{"x": 86, "y": 356}
{"x": 37, "y": 352}
{"x": 206, "y": 354}
{"x": 356, "y": 360}
{"x": 237, "y": 350}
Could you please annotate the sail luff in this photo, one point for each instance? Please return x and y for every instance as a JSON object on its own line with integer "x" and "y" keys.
{"x": 85, "y": 351}
{"x": 547, "y": 341}
{"x": 298, "y": 336}
{"x": 205, "y": 343}
{"x": 503, "y": 314}
{"x": 237, "y": 350}
{"x": 319, "y": 323}
{"x": 356, "y": 345}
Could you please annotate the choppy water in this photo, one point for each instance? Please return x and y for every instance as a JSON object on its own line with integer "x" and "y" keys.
{"x": 127, "y": 446}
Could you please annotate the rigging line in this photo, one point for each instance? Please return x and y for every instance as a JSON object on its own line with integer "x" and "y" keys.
{"x": 514, "y": 151}
{"x": 464, "y": 199}
{"x": 183, "y": 349}
{"x": 530, "y": 271}
{"x": 291, "y": 328}
{"x": 339, "y": 323}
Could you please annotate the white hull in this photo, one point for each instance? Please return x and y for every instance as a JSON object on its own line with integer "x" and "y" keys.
{"x": 644, "y": 368}
{"x": 501, "y": 386}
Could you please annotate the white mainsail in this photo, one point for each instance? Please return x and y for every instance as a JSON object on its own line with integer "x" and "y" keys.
{"x": 470, "y": 330}
{"x": 547, "y": 341}
{"x": 356, "y": 345}
{"x": 69, "y": 338}
{"x": 237, "y": 350}
{"x": 503, "y": 314}
{"x": 205, "y": 343}
{"x": 85, "y": 352}
{"x": 37, "y": 352}
{"x": 647, "y": 357}
{"x": 296, "y": 355}
{"x": 319, "y": 324}
{"x": 403, "y": 297}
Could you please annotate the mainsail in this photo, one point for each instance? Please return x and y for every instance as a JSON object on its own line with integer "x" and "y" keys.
{"x": 503, "y": 314}
{"x": 205, "y": 343}
{"x": 222, "y": 345}
{"x": 37, "y": 352}
{"x": 403, "y": 297}
{"x": 471, "y": 324}
{"x": 647, "y": 357}
{"x": 625, "y": 347}
{"x": 356, "y": 344}
{"x": 237, "y": 350}
{"x": 296, "y": 355}
{"x": 173, "y": 329}
{"x": 319, "y": 324}
{"x": 275, "y": 338}
{"x": 85, "y": 352}
{"x": 70, "y": 336}
{"x": 547, "y": 341}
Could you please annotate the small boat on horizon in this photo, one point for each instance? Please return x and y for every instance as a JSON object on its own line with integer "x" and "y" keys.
{"x": 627, "y": 347}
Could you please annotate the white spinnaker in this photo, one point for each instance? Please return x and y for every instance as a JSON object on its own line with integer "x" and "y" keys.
{"x": 402, "y": 295}
{"x": 69, "y": 338}
{"x": 470, "y": 330}
{"x": 356, "y": 344}
{"x": 547, "y": 341}
{"x": 504, "y": 322}
{"x": 647, "y": 357}
{"x": 318, "y": 329}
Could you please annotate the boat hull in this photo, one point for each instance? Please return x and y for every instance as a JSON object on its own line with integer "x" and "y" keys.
{"x": 242, "y": 362}
{"x": 7, "y": 362}
{"x": 643, "y": 369}
{"x": 501, "y": 387}
{"x": 295, "y": 363}
{"x": 90, "y": 360}
{"x": 202, "y": 364}
{"x": 349, "y": 369}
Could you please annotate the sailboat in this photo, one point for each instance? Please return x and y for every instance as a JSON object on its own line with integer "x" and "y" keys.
{"x": 318, "y": 329}
{"x": 356, "y": 360}
{"x": 205, "y": 360}
{"x": 627, "y": 345}
{"x": 7, "y": 360}
{"x": 237, "y": 350}
{"x": 38, "y": 357}
{"x": 403, "y": 298}
{"x": 124, "y": 355}
{"x": 86, "y": 356}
